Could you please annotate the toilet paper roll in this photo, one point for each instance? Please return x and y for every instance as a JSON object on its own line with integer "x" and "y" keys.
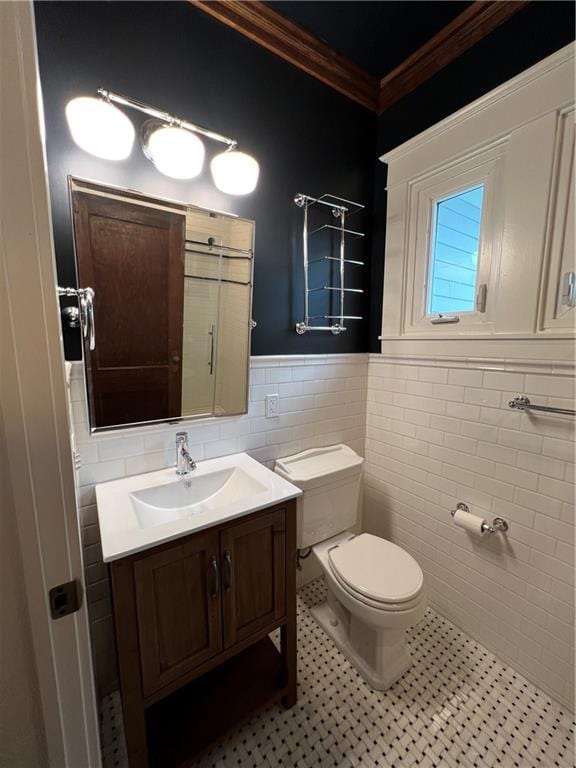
{"x": 468, "y": 521}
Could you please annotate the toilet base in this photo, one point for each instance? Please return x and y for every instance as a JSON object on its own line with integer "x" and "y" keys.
{"x": 379, "y": 655}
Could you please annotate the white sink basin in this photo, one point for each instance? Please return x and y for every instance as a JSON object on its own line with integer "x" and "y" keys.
{"x": 194, "y": 494}
{"x": 142, "y": 511}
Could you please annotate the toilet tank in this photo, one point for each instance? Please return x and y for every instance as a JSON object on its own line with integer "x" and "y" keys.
{"x": 330, "y": 479}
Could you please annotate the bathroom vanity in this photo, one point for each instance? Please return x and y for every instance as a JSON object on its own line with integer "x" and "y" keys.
{"x": 195, "y": 600}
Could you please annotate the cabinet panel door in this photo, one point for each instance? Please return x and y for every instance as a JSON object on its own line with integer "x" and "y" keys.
{"x": 253, "y": 556}
{"x": 179, "y": 609}
{"x": 560, "y": 300}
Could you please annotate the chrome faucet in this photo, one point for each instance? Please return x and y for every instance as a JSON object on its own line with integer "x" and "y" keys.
{"x": 184, "y": 462}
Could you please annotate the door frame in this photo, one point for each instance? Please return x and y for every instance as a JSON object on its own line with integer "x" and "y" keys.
{"x": 33, "y": 391}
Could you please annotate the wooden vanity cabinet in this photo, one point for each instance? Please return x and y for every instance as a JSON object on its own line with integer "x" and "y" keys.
{"x": 253, "y": 556}
{"x": 178, "y": 610}
{"x": 192, "y": 621}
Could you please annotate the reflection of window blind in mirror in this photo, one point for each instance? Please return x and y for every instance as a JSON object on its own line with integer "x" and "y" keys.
{"x": 241, "y": 234}
{"x": 217, "y": 266}
{"x": 200, "y": 226}
{"x": 238, "y": 270}
{"x": 217, "y": 248}
{"x": 202, "y": 265}
{"x": 233, "y": 348}
{"x": 224, "y": 230}
{"x": 198, "y": 363}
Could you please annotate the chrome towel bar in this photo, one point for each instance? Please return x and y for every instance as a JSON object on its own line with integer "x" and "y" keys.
{"x": 522, "y": 403}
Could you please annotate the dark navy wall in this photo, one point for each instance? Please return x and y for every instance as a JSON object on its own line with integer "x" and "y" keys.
{"x": 307, "y": 138}
{"x": 532, "y": 34}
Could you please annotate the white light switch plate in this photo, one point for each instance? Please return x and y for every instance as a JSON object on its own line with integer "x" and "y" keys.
{"x": 272, "y": 406}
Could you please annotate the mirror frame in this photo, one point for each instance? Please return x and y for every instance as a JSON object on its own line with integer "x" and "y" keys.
{"x": 90, "y": 185}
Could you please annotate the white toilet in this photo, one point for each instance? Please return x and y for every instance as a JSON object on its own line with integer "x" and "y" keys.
{"x": 375, "y": 588}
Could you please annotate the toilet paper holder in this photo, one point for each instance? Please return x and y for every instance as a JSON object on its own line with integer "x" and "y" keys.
{"x": 498, "y": 524}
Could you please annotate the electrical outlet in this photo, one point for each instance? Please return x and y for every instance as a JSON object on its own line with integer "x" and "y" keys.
{"x": 272, "y": 406}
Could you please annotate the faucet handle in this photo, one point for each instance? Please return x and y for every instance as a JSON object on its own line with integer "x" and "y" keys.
{"x": 181, "y": 437}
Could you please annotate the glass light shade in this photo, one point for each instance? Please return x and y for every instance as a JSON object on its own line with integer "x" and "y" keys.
{"x": 175, "y": 152}
{"x": 100, "y": 128}
{"x": 235, "y": 173}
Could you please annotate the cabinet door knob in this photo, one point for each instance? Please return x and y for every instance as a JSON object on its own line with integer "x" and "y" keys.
{"x": 227, "y": 569}
{"x": 215, "y": 576}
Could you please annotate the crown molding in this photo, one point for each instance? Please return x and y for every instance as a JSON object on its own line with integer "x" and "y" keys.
{"x": 291, "y": 42}
{"x": 283, "y": 37}
{"x": 467, "y": 29}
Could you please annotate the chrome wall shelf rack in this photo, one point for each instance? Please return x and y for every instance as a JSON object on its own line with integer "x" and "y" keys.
{"x": 340, "y": 209}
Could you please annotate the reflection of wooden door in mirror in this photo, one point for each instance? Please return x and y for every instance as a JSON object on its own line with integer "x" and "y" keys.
{"x": 133, "y": 258}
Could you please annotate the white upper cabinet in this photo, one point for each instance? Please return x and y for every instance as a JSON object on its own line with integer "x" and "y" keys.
{"x": 559, "y": 284}
{"x": 524, "y": 198}
{"x": 480, "y": 227}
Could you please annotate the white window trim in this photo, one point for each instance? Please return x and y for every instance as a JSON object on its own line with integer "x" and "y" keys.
{"x": 480, "y": 169}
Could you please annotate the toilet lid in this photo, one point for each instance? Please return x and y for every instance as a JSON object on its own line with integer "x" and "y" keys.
{"x": 377, "y": 569}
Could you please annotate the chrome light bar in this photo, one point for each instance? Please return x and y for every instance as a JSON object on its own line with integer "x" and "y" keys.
{"x": 166, "y": 117}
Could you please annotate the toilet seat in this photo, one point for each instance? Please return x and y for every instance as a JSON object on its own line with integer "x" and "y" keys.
{"x": 377, "y": 573}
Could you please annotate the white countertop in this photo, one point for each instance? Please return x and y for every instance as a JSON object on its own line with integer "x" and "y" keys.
{"x": 120, "y": 529}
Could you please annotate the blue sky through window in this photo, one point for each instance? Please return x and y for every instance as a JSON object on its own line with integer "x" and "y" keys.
{"x": 454, "y": 257}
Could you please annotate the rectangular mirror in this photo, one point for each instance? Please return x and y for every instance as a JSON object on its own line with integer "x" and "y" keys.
{"x": 167, "y": 331}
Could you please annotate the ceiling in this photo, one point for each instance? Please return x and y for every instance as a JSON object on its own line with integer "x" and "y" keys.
{"x": 376, "y": 35}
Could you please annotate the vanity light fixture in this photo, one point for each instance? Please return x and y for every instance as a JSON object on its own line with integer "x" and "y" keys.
{"x": 100, "y": 128}
{"x": 172, "y": 144}
{"x": 235, "y": 173}
{"x": 174, "y": 151}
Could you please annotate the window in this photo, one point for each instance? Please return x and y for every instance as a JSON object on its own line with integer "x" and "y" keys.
{"x": 454, "y": 230}
{"x": 455, "y": 243}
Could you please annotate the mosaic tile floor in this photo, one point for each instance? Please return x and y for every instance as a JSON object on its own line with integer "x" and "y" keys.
{"x": 457, "y": 706}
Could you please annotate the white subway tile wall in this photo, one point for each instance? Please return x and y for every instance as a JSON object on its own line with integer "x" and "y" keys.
{"x": 322, "y": 401}
{"x": 439, "y": 432}
{"x": 434, "y": 433}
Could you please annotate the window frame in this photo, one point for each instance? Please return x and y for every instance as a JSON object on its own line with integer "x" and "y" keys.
{"x": 484, "y": 169}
